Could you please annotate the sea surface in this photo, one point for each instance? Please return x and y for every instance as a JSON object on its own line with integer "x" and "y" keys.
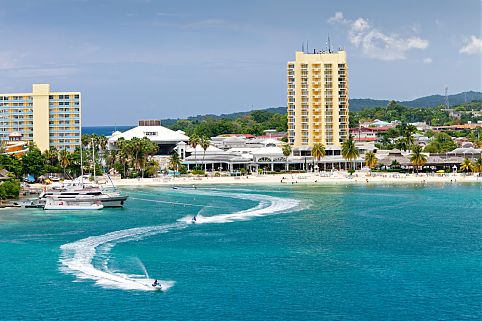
{"x": 256, "y": 253}
{"x": 104, "y": 130}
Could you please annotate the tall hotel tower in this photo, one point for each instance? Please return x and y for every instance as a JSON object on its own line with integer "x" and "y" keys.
{"x": 50, "y": 119}
{"x": 318, "y": 99}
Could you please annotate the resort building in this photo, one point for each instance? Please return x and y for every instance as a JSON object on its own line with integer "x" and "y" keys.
{"x": 166, "y": 139}
{"x": 50, "y": 119}
{"x": 318, "y": 98}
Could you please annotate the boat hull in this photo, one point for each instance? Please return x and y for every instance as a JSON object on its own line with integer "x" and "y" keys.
{"x": 113, "y": 201}
{"x": 84, "y": 204}
{"x": 72, "y": 207}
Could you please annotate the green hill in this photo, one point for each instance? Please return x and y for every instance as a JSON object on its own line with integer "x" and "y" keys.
{"x": 356, "y": 104}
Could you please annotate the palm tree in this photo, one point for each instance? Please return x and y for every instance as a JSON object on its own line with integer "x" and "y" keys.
{"x": 349, "y": 150}
{"x": 194, "y": 141}
{"x": 417, "y": 158}
{"x": 286, "y": 152}
{"x": 371, "y": 160}
{"x": 148, "y": 148}
{"x": 102, "y": 142}
{"x": 85, "y": 140}
{"x": 174, "y": 161}
{"x": 64, "y": 159}
{"x": 123, "y": 146}
{"x": 466, "y": 165}
{"x": 401, "y": 144}
{"x": 395, "y": 164}
{"x": 477, "y": 165}
{"x": 408, "y": 134}
{"x": 318, "y": 152}
{"x": 204, "y": 143}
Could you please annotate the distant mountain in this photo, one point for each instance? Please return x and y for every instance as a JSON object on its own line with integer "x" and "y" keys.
{"x": 423, "y": 102}
{"x": 356, "y": 104}
{"x": 275, "y": 110}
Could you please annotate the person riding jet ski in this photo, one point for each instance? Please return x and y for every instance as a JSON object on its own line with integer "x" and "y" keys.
{"x": 156, "y": 284}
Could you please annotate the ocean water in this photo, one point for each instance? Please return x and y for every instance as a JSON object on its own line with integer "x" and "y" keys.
{"x": 104, "y": 130}
{"x": 255, "y": 253}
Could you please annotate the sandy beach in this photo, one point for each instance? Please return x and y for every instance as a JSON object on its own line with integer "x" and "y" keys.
{"x": 306, "y": 178}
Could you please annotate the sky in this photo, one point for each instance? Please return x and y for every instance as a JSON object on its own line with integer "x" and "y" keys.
{"x": 148, "y": 59}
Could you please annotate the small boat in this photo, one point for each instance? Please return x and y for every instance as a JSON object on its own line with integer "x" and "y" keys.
{"x": 54, "y": 203}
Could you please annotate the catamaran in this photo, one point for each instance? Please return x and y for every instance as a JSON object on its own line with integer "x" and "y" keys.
{"x": 107, "y": 198}
{"x": 79, "y": 203}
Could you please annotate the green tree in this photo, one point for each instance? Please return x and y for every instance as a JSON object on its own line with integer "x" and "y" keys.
{"x": 64, "y": 159}
{"x": 204, "y": 143}
{"x": 152, "y": 167}
{"x": 401, "y": 144}
{"x": 286, "y": 152}
{"x": 194, "y": 141}
{"x": 9, "y": 189}
{"x": 441, "y": 143}
{"x": 408, "y": 134}
{"x": 371, "y": 160}
{"x": 33, "y": 161}
{"x": 349, "y": 151}
{"x": 318, "y": 152}
{"x": 466, "y": 165}
{"x": 12, "y": 164}
{"x": 417, "y": 158}
{"x": 477, "y": 165}
{"x": 174, "y": 161}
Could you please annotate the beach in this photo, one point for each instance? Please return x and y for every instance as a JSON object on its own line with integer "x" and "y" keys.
{"x": 359, "y": 178}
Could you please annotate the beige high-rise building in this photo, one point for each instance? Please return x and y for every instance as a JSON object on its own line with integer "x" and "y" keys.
{"x": 318, "y": 99}
{"x": 50, "y": 119}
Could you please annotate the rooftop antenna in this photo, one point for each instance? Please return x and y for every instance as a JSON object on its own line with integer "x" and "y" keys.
{"x": 307, "y": 49}
{"x": 329, "y": 44}
{"x": 303, "y": 46}
{"x": 446, "y": 102}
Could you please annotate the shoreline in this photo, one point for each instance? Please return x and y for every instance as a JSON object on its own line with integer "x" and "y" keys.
{"x": 302, "y": 178}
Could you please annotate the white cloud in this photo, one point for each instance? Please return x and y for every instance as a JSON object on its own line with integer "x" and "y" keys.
{"x": 337, "y": 18}
{"x": 375, "y": 43}
{"x": 427, "y": 61}
{"x": 472, "y": 46}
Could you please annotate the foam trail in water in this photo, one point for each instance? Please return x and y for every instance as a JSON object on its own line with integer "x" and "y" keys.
{"x": 77, "y": 257}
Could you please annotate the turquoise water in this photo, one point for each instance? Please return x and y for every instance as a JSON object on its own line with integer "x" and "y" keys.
{"x": 257, "y": 253}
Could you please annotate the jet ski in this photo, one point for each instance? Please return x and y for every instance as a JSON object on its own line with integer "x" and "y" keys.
{"x": 193, "y": 220}
{"x": 157, "y": 285}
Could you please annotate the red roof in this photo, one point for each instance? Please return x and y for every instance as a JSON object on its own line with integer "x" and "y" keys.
{"x": 373, "y": 129}
{"x": 240, "y": 135}
{"x": 365, "y": 139}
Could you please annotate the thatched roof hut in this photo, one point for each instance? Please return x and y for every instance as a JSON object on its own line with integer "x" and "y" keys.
{"x": 395, "y": 155}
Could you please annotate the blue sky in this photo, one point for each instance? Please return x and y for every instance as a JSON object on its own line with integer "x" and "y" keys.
{"x": 147, "y": 59}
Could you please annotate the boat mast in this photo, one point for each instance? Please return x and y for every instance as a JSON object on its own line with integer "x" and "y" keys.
{"x": 81, "y": 166}
{"x": 93, "y": 158}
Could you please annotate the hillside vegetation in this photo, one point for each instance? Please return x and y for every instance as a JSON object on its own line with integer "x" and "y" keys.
{"x": 255, "y": 122}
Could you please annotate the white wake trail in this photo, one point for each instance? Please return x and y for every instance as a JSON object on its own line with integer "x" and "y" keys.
{"x": 77, "y": 257}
